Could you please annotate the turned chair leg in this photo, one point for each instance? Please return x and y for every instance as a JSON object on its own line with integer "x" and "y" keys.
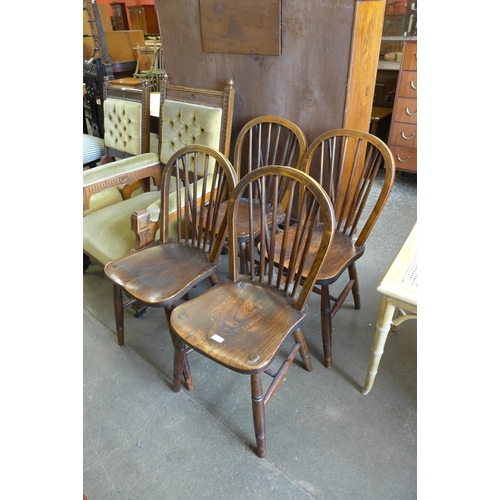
{"x": 326, "y": 326}
{"x": 353, "y": 275}
{"x": 181, "y": 368}
{"x": 259, "y": 414}
{"x": 118, "y": 305}
{"x": 186, "y": 371}
{"x": 303, "y": 350}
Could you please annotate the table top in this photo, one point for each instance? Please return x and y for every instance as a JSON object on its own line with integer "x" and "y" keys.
{"x": 400, "y": 281}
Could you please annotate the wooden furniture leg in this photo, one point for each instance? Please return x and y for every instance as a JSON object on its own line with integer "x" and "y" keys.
{"x": 259, "y": 414}
{"x": 118, "y": 305}
{"x": 383, "y": 326}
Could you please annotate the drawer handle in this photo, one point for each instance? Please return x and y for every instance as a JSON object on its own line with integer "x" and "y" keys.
{"x": 403, "y": 161}
{"x": 408, "y": 112}
{"x": 408, "y": 138}
{"x": 413, "y": 86}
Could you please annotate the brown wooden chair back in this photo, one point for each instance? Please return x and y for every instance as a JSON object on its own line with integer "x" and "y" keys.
{"x": 346, "y": 163}
{"x": 293, "y": 253}
{"x": 216, "y": 99}
{"x": 269, "y": 140}
{"x": 191, "y": 197}
{"x": 145, "y": 59}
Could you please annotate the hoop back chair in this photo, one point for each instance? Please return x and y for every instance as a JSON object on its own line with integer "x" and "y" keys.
{"x": 266, "y": 140}
{"x": 346, "y": 163}
{"x": 243, "y": 321}
{"x": 188, "y": 115}
{"x": 196, "y": 180}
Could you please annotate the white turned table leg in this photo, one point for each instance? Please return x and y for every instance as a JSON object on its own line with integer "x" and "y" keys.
{"x": 383, "y": 326}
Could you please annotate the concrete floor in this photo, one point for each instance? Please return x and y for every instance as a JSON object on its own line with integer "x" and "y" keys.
{"x": 325, "y": 440}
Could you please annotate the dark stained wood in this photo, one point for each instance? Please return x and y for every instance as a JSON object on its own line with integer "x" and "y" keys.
{"x": 265, "y": 140}
{"x": 241, "y": 27}
{"x": 306, "y": 84}
{"x": 242, "y": 322}
{"x": 165, "y": 271}
{"x": 346, "y": 163}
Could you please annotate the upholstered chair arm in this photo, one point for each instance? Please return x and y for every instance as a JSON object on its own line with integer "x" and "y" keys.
{"x": 118, "y": 173}
{"x": 146, "y": 223}
{"x": 144, "y": 228}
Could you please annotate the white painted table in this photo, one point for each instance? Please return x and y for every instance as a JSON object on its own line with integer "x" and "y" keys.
{"x": 399, "y": 290}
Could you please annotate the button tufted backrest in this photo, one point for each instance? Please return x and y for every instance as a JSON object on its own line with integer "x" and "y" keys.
{"x": 122, "y": 125}
{"x": 184, "y": 124}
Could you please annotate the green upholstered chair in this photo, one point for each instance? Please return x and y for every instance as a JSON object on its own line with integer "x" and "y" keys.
{"x": 126, "y": 133}
{"x": 188, "y": 116}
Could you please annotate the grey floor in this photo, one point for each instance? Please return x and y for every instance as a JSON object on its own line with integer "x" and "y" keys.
{"x": 325, "y": 440}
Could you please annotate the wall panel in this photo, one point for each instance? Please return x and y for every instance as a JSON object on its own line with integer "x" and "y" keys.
{"x": 307, "y": 83}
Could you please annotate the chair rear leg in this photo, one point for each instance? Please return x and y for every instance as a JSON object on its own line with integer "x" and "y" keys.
{"x": 304, "y": 350}
{"x": 326, "y": 326}
{"x": 181, "y": 368}
{"x": 186, "y": 371}
{"x": 259, "y": 414}
{"x": 353, "y": 275}
{"x": 118, "y": 305}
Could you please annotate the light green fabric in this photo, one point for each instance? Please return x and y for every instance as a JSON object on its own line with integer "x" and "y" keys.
{"x": 154, "y": 208}
{"x": 104, "y": 199}
{"x": 122, "y": 125}
{"x": 107, "y": 233}
{"x": 185, "y": 124}
{"x": 123, "y": 166}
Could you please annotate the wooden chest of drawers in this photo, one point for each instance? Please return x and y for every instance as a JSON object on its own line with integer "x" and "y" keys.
{"x": 143, "y": 17}
{"x": 403, "y": 133}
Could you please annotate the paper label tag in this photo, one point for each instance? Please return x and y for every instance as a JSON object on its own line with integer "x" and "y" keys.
{"x": 217, "y": 338}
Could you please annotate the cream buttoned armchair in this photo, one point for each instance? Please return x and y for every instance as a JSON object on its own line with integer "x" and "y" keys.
{"x": 126, "y": 114}
{"x": 187, "y": 116}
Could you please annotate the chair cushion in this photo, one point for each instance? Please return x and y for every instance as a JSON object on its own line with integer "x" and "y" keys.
{"x": 103, "y": 199}
{"x": 185, "y": 124}
{"x": 122, "y": 125}
{"x": 107, "y": 233}
{"x": 154, "y": 208}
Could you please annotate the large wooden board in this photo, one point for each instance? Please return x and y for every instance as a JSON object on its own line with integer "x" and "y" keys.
{"x": 307, "y": 84}
{"x": 241, "y": 27}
